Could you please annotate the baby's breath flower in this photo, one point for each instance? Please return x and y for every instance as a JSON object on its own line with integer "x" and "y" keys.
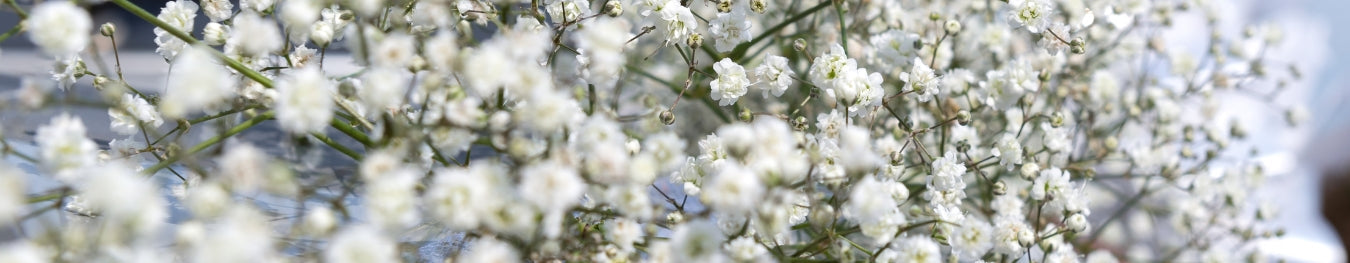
{"x": 60, "y": 28}
{"x": 731, "y": 82}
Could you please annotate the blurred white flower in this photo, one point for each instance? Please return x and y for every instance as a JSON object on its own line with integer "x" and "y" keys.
{"x": 305, "y": 101}
{"x": 60, "y": 28}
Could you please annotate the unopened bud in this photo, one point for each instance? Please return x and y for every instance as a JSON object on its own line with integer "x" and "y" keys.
{"x": 963, "y": 117}
{"x": 613, "y": 8}
{"x": 800, "y": 123}
{"x": 107, "y": 29}
{"x": 1057, "y": 119}
{"x": 1000, "y": 188}
{"x": 953, "y": 27}
{"x": 799, "y": 44}
{"x": 934, "y": 16}
{"x": 724, "y": 6}
{"x": 758, "y": 6}
{"x": 667, "y": 117}
{"x": 746, "y": 115}
{"x": 1076, "y": 223}
{"x": 695, "y": 40}
{"x": 1030, "y": 170}
{"x": 897, "y": 158}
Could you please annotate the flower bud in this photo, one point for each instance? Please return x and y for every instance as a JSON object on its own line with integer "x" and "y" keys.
{"x": 1111, "y": 143}
{"x": 897, "y": 158}
{"x": 1000, "y": 188}
{"x": 758, "y": 6}
{"x": 695, "y": 40}
{"x": 746, "y": 115}
{"x": 953, "y": 27}
{"x": 107, "y": 29}
{"x": 799, "y": 44}
{"x": 1077, "y": 223}
{"x": 613, "y": 8}
{"x": 800, "y": 123}
{"x": 1057, "y": 119}
{"x": 667, "y": 117}
{"x": 1030, "y": 170}
{"x": 724, "y": 6}
{"x": 963, "y": 117}
{"x": 934, "y": 16}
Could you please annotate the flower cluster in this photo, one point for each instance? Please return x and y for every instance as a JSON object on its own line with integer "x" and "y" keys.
{"x": 619, "y": 131}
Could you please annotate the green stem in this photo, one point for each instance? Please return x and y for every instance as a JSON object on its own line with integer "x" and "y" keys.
{"x": 741, "y": 49}
{"x": 209, "y": 142}
{"x": 331, "y": 143}
{"x": 12, "y": 31}
{"x": 247, "y": 72}
{"x": 352, "y": 132}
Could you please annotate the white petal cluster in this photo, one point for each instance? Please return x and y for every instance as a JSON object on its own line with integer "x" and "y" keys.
{"x": 729, "y": 30}
{"x": 774, "y": 76}
{"x": 181, "y": 15}
{"x": 305, "y": 101}
{"x": 65, "y": 148}
{"x": 732, "y": 82}
{"x": 60, "y": 28}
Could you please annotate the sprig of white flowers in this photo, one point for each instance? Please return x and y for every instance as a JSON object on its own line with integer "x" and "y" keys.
{"x": 890, "y": 131}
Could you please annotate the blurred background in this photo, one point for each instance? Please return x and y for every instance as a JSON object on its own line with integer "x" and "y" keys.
{"x": 1317, "y": 40}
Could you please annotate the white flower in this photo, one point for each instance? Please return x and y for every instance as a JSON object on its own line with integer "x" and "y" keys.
{"x": 59, "y": 27}
{"x": 1032, "y": 14}
{"x": 775, "y": 73}
{"x": 134, "y": 111}
{"x": 860, "y": 91}
{"x": 603, "y": 41}
{"x": 489, "y": 250}
{"x": 13, "y": 202}
{"x": 65, "y": 147}
{"x": 729, "y": 29}
{"x": 731, "y": 82}
{"x": 256, "y": 6}
{"x": 179, "y": 15}
{"x": 547, "y": 111}
{"x": 917, "y": 249}
{"x": 65, "y": 71}
{"x": 666, "y": 148}
{"x": 255, "y": 36}
{"x": 551, "y": 186}
{"x": 461, "y": 198}
{"x": 1008, "y": 151}
{"x": 383, "y": 88}
{"x": 394, "y": 51}
{"x": 873, "y": 205}
{"x": 696, "y": 241}
{"x": 1051, "y": 184}
{"x": 391, "y": 199}
{"x": 1010, "y": 234}
{"x": 893, "y": 48}
{"x": 24, "y": 251}
{"x": 920, "y": 81}
{"x": 744, "y": 249}
{"x": 1056, "y": 139}
{"x": 215, "y": 33}
{"x": 946, "y": 189}
{"x": 733, "y": 190}
{"x": 120, "y": 194}
{"x": 676, "y": 22}
{"x": 305, "y": 101}
{"x": 830, "y": 67}
{"x": 360, "y": 243}
{"x": 623, "y": 232}
{"x": 217, "y": 10}
{"x": 441, "y": 51}
{"x": 365, "y": 8}
{"x": 299, "y": 14}
{"x": 973, "y": 239}
{"x": 1055, "y": 38}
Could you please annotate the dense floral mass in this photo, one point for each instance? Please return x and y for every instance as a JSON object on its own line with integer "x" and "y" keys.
{"x": 621, "y": 131}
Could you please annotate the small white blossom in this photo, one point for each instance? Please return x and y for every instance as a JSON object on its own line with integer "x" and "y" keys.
{"x": 920, "y": 81}
{"x": 181, "y": 15}
{"x": 59, "y": 27}
{"x": 729, "y": 30}
{"x": 133, "y": 112}
{"x": 1032, "y": 14}
{"x": 305, "y": 101}
{"x": 65, "y": 147}
{"x": 774, "y": 73}
{"x": 731, "y": 82}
